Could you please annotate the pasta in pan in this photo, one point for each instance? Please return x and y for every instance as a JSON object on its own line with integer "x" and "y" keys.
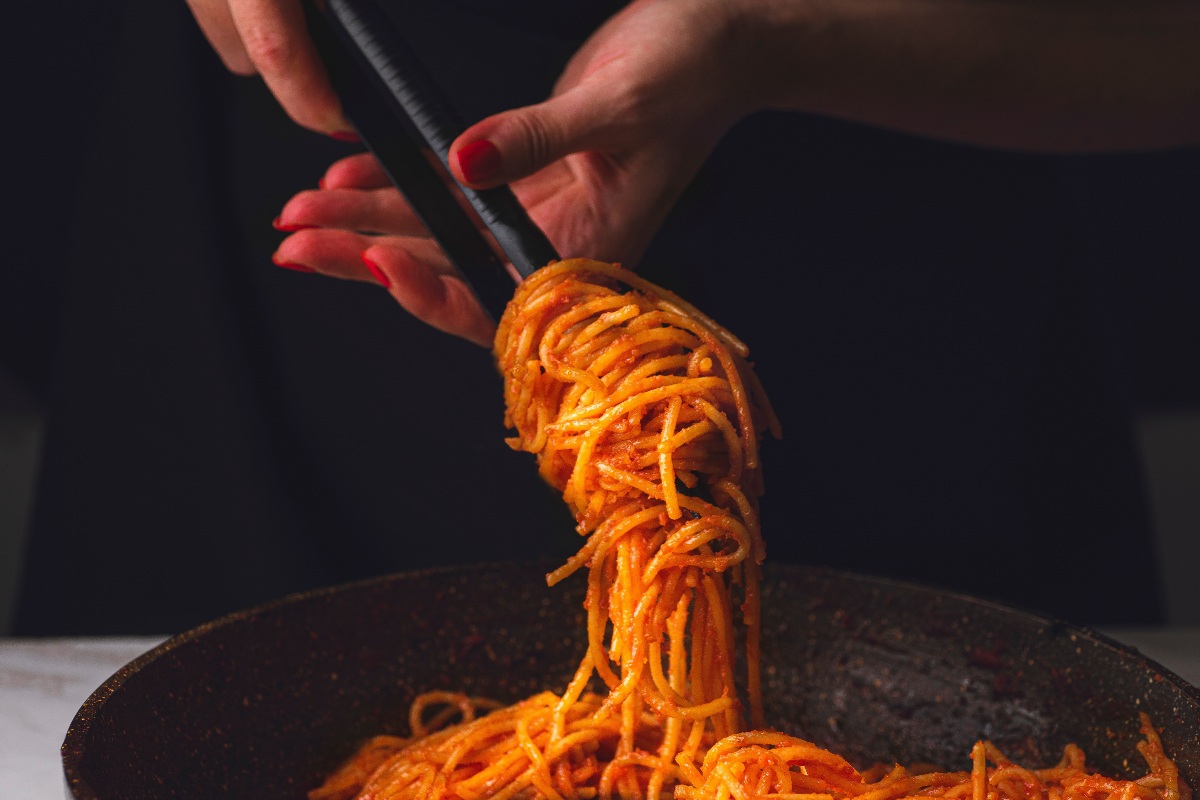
{"x": 645, "y": 414}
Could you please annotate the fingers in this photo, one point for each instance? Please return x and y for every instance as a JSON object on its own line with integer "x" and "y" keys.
{"x": 440, "y": 299}
{"x": 274, "y": 37}
{"x": 335, "y": 253}
{"x": 383, "y": 210}
{"x": 359, "y": 171}
{"x": 216, "y": 22}
{"x": 355, "y": 195}
{"x": 514, "y": 144}
{"x": 374, "y": 210}
{"x": 413, "y": 270}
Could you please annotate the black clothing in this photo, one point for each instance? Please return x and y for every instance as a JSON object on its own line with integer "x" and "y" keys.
{"x": 945, "y": 332}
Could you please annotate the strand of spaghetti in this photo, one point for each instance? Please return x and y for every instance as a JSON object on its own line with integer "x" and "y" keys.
{"x": 636, "y": 379}
{"x": 645, "y": 414}
{"x": 722, "y": 621}
{"x": 630, "y": 387}
{"x": 620, "y": 612}
{"x": 539, "y": 769}
{"x": 708, "y": 651}
{"x": 647, "y": 487}
{"x": 662, "y": 683}
{"x": 604, "y": 322}
{"x": 597, "y": 607}
{"x": 979, "y": 781}
{"x": 557, "y": 337}
{"x": 676, "y": 625}
{"x": 576, "y": 486}
{"x": 733, "y": 377}
{"x": 659, "y": 694}
{"x": 467, "y": 737}
{"x": 632, "y": 480}
{"x": 697, "y": 712}
{"x": 464, "y": 705}
{"x": 730, "y": 782}
{"x": 733, "y": 442}
{"x": 1151, "y": 749}
{"x": 571, "y": 696}
{"x": 765, "y": 771}
{"x": 790, "y": 748}
{"x": 678, "y": 441}
{"x": 752, "y": 617}
{"x": 693, "y": 536}
{"x": 1015, "y": 773}
{"x": 668, "y": 299}
{"x": 599, "y": 542}
{"x": 393, "y": 778}
{"x": 505, "y": 772}
{"x": 621, "y": 352}
{"x": 556, "y": 368}
{"x": 666, "y": 466}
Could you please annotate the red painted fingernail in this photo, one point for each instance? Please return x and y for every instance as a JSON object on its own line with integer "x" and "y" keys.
{"x": 479, "y": 161}
{"x": 321, "y": 183}
{"x": 377, "y": 272}
{"x": 344, "y": 136}
{"x": 294, "y": 267}
{"x": 290, "y": 265}
{"x": 278, "y": 225}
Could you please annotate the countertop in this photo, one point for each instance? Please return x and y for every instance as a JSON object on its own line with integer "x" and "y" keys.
{"x": 44, "y": 681}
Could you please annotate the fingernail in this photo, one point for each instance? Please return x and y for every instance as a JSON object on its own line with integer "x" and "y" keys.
{"x": 344, "y": 136}
{"x": 321, "y": 183}
{"x": 377, "y": 272}
{"x": 479, "y": 161}
{"x": 279, "y": 225}
{"x": 290, "y": 265}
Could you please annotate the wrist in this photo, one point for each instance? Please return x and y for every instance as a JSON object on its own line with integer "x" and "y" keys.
{"x": 775, "y": 45}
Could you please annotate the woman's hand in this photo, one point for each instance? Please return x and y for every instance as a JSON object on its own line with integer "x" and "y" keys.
{"x": 598, "y": 165}
{"x": 269, "y": 37}
{"x": 642, "y": 104}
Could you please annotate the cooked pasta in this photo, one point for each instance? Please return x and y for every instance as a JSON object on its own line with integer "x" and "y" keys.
{"x": 645, "y": 414}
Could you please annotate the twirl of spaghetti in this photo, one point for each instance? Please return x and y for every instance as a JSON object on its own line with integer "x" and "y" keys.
{"x": 645, "y": 414}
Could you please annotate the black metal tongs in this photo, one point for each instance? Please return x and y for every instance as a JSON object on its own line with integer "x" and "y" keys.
{"x": 399, "y": 112}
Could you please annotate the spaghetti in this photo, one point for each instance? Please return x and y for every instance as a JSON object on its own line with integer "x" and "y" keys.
{"x": 645, "y": 414}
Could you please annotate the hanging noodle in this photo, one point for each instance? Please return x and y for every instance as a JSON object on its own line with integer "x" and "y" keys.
{"x": 644, "y": 413}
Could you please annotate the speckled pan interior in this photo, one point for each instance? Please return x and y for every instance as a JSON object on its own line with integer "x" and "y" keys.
{"x": 262, "y": 703}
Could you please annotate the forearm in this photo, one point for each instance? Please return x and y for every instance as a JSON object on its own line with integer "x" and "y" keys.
{"x": 1047, "y": 75}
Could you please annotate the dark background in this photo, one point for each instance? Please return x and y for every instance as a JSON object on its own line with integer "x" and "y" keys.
{"x": 956, "y": 340}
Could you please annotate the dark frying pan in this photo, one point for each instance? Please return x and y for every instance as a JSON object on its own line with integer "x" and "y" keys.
{"x": 264, "y": 702}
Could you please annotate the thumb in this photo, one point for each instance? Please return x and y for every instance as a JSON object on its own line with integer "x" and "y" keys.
{"x": 518, "y": 143}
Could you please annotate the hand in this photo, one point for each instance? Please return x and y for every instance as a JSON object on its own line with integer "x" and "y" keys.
{"x": 598, "y": 166}
{"x": 269, "y": 37}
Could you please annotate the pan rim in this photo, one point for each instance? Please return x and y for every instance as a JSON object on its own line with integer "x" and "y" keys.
{"x": 75, "y": 742}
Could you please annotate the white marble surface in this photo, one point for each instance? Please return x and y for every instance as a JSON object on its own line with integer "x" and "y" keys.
{"x": 44, "y": 681}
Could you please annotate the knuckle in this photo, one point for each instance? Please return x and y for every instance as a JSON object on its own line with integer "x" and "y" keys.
{"x": 537, "y": 138}
{"x": 637, "y": 103}
{"x": 270, "y": 50}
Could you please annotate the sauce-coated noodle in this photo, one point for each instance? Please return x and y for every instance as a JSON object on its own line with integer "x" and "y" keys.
{"x": 644, "y": 413}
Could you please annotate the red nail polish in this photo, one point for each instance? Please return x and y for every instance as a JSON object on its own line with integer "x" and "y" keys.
{"x": 479, "y": 161}
{"x": 290, "y": 265}
{"x": 321, "y": 183}
{"x": 278, "y": 225}
{"x": 377, "y": 272}
{"x": 294, "y": 267}
{"x": 344, "y": 136}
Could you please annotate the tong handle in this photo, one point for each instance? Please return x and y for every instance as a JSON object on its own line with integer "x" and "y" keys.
{"x": 401, "y": 73}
